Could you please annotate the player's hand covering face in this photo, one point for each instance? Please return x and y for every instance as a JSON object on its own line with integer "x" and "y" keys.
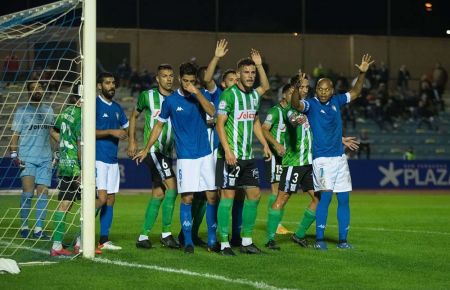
{"x": 188, "y": 83}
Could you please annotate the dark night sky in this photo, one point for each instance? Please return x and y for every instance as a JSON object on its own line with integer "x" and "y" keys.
{"x": 322, "y": 16}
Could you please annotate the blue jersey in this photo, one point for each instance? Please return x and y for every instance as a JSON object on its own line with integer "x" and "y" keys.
{"x": 108, "y": 116}
{"x": 326, "y": 125}
{"x": 188, "y": 123}
{"x": 214, "y": 98}
{"x": 32, "y": 122}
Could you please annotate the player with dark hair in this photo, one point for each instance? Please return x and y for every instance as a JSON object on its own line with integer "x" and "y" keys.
{"x": 158, "y": 160}
{"x": 30, "y": 150}
{"x": 236, "y": 167}
{"x": 274, "y": 130}
{"x": 68, "y": 125}
{"x": 186, "y": 109}
{"x": 111, "y": 127}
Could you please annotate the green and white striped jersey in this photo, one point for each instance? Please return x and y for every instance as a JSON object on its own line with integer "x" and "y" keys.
{"x": 275, "y": 119}
{"x": 150, "y": 102}
{"x": 298, "y": 143}
{"x": 241, "y": 109}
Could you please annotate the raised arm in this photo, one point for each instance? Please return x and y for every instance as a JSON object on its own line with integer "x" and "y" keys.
{"x": 207, "y": 106}
{"x": 363, "y": 67}
{"x": 132, "y": 147}
{"x": 264, "y": 82}
{"x": 221, "y": 51}
{"x": 295, "y": 99}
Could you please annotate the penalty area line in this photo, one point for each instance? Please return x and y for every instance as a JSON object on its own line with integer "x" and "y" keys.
{"x": 256, "y": 284}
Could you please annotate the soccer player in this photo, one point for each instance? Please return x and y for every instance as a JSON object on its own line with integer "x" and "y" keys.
{"x": 330, "y": 167}
{"x": 31, "y": 151}
{"x": 68, "y": 125}
{"x": 274, "y": 129}
{"x": 236, "y": 167}
{"x": 159, "y": 159}
{"x": 111, "y": 126}
{"x": 229, "y": 78}
{"x": 186, "y": 109}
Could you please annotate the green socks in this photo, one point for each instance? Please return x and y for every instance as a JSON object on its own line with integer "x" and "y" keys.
{"x": 272, "y": 199}
{"x": 223, "y": 217}
{"x": 249, "y": 217}
{"x": 167, "y": 209}
{"x": 59, "y": 226}
{"x": 150, "y": 215}
{"x": 273, "y": 219}
{"x": 308, "y": 219}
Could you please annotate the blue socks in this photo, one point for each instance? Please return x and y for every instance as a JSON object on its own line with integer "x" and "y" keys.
{"x": 211, "y": 222}
{"x": 343, "y": 215}
{"x": 238, "y": 206}
{"x": 25, "y": 207}
{"x": 106, "y": 217}
{"x": 322, "y": 214}
{"x": 186, "y": 223}
{"x": 41, "y": 209}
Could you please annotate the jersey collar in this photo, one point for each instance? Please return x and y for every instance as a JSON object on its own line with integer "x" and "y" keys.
{"x": 105, "y": 101}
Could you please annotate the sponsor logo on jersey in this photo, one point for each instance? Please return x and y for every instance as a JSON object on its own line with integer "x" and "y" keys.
{"x": 105, "y": 115}
{"x": 322, "y": 111}
{"x": 246, "y": 115}
{"x": 222, "y": 105}
{"x": 179, "y": 109}
{"x": 36, "y": 127}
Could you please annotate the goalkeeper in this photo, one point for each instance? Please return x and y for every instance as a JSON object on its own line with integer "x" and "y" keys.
{"x": 68, "y": 125}
{"x": 30, "y": 150}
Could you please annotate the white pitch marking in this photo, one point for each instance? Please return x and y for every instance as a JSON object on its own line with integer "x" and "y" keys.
{"x": 258, "y": 285}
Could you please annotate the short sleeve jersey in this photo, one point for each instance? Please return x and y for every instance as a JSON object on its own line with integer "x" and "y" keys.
{"x": 326, "y": 125}
{"x": 68, "y": 124}
{"x": 275, "y": 120}
{"x": 189, "y": 125}
{"x": 298, "y": 143}
{"x": 109, "y": 115}
{"x": 241, "y": 109}
{"x": 150, "y": 102}
{"x": 32, "y": 122}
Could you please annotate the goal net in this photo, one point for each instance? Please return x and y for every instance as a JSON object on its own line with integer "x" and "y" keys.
{"x": 40, "y": 73}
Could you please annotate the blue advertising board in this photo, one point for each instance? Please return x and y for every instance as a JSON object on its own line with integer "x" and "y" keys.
{"x": 366, "y": 174}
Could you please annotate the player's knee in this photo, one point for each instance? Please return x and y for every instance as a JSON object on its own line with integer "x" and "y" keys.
{"x": 170, "y": 183}
{"x": 187, "y": 198}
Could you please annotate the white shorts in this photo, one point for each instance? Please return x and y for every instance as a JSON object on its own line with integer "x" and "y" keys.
{"x": 195, "y": 175}
{"x": 332, "y": 173}
{"x": 107, "y": 177}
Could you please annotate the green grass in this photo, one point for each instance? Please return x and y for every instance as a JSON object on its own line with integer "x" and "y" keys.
{"x": 401, "y": 242}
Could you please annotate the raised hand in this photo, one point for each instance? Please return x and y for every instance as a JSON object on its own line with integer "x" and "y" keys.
{"x": 221, "y": 48}
{"x": 301, "y": 77}
{"x": 365, "y": 63}
{"x": 256, "y": 56}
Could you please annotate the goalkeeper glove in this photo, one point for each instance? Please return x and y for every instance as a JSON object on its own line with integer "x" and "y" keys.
{"x": 16, "y": 161}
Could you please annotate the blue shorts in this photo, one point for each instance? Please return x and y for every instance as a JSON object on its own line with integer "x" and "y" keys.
{"x": 42, "y": 172}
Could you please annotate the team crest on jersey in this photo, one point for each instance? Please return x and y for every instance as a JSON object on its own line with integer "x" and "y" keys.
{"x": 269, "y": 117}
{"x": 222, "y": 105}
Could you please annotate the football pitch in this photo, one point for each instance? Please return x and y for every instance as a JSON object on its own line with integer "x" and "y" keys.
{"x": 402, "y": 241}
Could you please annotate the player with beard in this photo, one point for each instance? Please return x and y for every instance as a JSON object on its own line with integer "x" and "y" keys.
{"x": 236, "y": 167}
{"x": 111, "y": 127}
{"x": 30, "y": 150}
{"x": 159, "y": 159}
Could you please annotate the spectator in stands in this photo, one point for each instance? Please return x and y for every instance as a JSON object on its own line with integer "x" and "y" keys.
{"x": 341, "y": 86}
{"x": 364, "y": 144}
{"x": 383, "y": 73}
{"x": 135, "y": 83}
{"x": 402, "y": 80}
{"x": 440, "y": 78}
{"x": 10, "y": 66}
{"x": 123, "y": 71}
{"x": 409, "y": 154}
{"x": 146, "y": 80}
